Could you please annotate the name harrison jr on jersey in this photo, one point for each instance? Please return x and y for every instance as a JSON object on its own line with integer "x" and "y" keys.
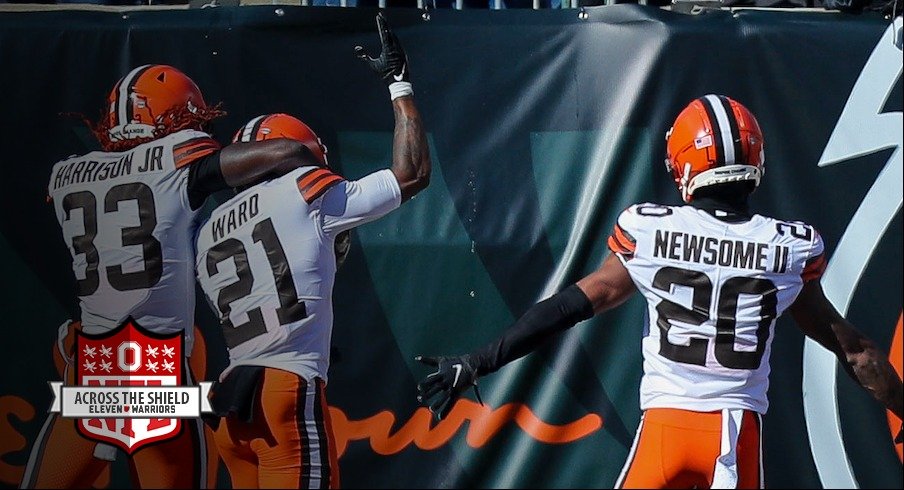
{"x": 739, "y": 254}
{"x": 81, "y": 171}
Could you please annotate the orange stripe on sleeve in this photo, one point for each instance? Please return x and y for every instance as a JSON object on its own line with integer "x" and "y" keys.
{"x": 621, "y": 242}
{"x": 625, "y": 238}
{"x": 314, "y": 184}
{"x": 616, "y": 247}
{"x": 307, "y": 179}
{"x": 193, "y": 150}
{"x": 188, "y": 150}
{"x": 321, "y": 186}
{"x": 202, "y": 140}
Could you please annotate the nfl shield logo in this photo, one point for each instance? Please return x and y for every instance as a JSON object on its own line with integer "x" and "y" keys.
{"x": 129, "y": 356}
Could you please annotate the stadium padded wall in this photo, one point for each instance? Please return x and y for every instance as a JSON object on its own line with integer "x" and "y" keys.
{"x": 543, "y": 127}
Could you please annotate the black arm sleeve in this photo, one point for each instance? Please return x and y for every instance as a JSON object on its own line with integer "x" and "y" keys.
{"x": 205, "y": 178}
{"x": 559, "y": 312}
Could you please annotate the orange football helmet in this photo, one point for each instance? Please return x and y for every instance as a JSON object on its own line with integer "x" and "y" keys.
{"x": 282, "y": 126}
{"x": 151, "y": 101}
{"x": 714, "y": 140}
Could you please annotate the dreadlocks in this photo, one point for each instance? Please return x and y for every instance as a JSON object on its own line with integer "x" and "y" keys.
{"x": 173, "y": 120}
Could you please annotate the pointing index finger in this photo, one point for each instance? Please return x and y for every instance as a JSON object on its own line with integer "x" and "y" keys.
{"x": 383, "y": 29}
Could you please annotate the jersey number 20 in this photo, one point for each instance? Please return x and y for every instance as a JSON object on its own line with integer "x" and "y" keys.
{"x": 726, "y": 322}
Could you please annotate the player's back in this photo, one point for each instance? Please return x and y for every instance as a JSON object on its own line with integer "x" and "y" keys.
{"x": 714, "y": 289}
{"x": 128, "y": 224}
{"x": 267, "y": 267}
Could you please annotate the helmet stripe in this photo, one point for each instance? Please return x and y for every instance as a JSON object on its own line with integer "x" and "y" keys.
{"x": 735, "y": 132}
{"x": 115, "y": 112}
{"x": 717, "y": 132}
{"x": 255, "y": 132}
{"x": 124, "y": 103}
{"x": 250, "y": 129}
{"x": 724, "y": 128}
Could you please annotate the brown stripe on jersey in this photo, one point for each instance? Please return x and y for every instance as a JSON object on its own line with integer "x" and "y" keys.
{"x": 193, "y": 156}
{"x": 314, "y": 184}
{"x": 193, "y": 150}
{"x": 616, "y": 247}
{"x": 187, "y": 150}
{"x": 613, "y": 245}
{"x": 621, "y": 242}
{"x": 319, "y": 188}
{"x": 625, "y": 238}
{"x": 814, "y": 268}
{"x": 194, "y": 143}
{"x": 307, "y": 179}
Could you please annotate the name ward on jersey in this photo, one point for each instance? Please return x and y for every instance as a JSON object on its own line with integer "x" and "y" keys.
{"x": 234, "y": 217}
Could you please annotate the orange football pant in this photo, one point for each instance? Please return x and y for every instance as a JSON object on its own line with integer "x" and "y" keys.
{"x": 684, "y": 449}
{"x": 288, "y": 444}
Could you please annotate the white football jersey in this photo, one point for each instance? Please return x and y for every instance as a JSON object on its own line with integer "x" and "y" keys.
{"x": 713, "y": 291}
{"x": 127, "y": 222}
{"x": 266, "y": 263}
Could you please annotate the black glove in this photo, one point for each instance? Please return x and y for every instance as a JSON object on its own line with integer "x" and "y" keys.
{"x": 453, "y": 376}
{"x": 392, "y": 64}
{"x": 341, "y": 246}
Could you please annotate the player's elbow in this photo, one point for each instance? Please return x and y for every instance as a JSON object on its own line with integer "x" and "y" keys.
{"x": 422, "y": 178}
{"x": 413, "y": 182}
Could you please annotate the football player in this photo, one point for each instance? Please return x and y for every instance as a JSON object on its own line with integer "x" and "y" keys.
{"x": 715, "y": 276}
{"x": 128, "y": 215}
{"x": 274, "y": 126}
{"x": 266, "y": 261}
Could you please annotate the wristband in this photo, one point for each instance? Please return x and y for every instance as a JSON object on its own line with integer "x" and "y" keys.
{"x": 400, "y": 89}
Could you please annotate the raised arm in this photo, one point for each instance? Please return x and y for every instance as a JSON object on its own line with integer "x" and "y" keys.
{"x": 858, "y": 355}
{"x": 410, "y": 153}
{"x": 249, "y": 163}
{"x": 606, "y": 288}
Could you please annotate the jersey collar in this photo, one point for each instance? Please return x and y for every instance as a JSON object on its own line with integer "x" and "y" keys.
{"x": 729, "y": 212}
